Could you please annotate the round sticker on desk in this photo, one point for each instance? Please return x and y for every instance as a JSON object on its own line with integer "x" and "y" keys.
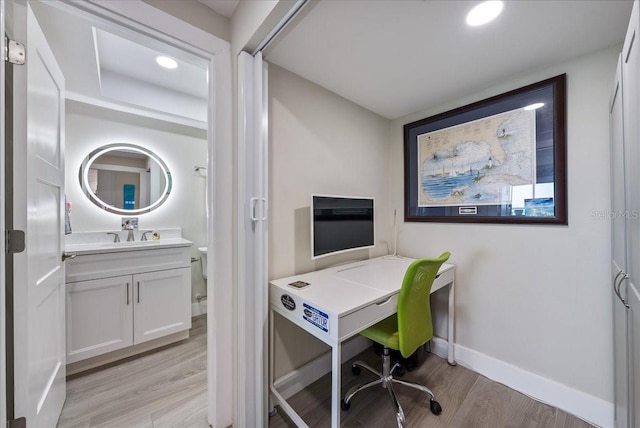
{"x": 287, "y": 302}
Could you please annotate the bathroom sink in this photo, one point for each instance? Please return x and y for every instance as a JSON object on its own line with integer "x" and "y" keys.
{"x": 109, "y": 247}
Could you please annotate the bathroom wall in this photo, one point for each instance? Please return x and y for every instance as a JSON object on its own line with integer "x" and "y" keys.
{"x": 180, "y": 147}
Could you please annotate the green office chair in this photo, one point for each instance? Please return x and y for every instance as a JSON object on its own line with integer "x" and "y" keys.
{"x": 405, "y": 331}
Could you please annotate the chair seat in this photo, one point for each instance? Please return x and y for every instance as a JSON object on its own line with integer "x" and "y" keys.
{"x": 385, "y": 333}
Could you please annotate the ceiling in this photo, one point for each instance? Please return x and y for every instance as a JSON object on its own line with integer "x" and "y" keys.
{"x": 223, "y": 7}
{"x": 391, "y": 57}
{"x": 399, "y": 57}
{"x": 115, "y": 68}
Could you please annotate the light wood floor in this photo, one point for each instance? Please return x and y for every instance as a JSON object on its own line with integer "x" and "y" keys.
{"x": 167, "y": 388}
{"x": 467, "y": 398}
{"x": 163, "y": 388}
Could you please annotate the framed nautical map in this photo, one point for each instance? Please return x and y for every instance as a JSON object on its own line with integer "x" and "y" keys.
{"x": 491, "y": 161}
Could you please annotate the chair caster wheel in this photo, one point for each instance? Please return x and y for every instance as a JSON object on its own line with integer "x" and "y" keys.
{"x": 435, "y": 407}
{"x": 356, "y": 370}
{"x": 344, "y": 405}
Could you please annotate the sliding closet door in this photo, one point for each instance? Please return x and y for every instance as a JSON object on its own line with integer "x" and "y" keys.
{"x": 628, "y": 290}
{"x": 252, "y": 292}
{"x": 618, "y": 254}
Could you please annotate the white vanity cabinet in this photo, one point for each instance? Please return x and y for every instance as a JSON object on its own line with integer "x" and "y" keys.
{"x": 157, "y": 310}
{"x": 99, "y": 317}
{"x": 121, "y": 297}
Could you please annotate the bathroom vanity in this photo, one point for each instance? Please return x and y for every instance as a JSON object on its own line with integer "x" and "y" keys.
{"x": 124, "y": 298}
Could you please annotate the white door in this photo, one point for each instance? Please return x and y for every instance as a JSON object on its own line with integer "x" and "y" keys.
{"x": 618, "y": 252}
{"x": 633, "y": 299}
{"x": 252, "y": 317}
{"x": 38, "y": 199}
{"x": 631, "y": 135}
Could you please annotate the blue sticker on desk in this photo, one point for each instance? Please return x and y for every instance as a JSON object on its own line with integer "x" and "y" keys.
{"x": 316, "y": 317}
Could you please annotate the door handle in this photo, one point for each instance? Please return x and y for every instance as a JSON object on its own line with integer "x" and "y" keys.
{"x": 264, "y": 209}
{"x": 127, "y": 294}
{"x": 138, "y": 291}
{"x": 616, "y": 283}
{"x": 616, "y": 287}
{"x": 66, "y": 256}
{"x": 253, "y": 203}
{"x": 615, "y": 280}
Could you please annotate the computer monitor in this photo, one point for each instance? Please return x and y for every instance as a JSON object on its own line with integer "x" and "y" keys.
{"x": 340, "y": 224}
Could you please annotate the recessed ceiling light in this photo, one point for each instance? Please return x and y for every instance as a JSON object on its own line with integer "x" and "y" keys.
{"x": 484, "y": 12}
{"x": 534, "y": 106}
{"x": 166, "y": 62}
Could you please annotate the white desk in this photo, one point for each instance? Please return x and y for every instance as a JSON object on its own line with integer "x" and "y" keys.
{"x": 338, "y": 303}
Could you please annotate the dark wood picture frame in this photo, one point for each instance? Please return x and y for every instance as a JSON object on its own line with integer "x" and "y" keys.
{"x": 515, "y": 172}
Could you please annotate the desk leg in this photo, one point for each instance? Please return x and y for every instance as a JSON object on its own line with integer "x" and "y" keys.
{"x": 272, "y": 410}
{"x": 335, "y": 385}
{"x": 450, "y": 328}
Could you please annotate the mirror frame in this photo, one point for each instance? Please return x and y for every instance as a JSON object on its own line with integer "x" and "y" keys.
{"x": 95, "y": 154}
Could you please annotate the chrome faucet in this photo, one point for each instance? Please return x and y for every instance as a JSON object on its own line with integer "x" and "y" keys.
{"x": 130, "y": 236}
{"x": 144, "y": 235}
{"x": 116, "y": 236}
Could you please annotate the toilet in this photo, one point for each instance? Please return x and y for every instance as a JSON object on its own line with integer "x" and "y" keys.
{"x": 203, "y": 260}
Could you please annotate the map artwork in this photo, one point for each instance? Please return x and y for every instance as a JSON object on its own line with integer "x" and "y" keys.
{"x": 477, "y": 163}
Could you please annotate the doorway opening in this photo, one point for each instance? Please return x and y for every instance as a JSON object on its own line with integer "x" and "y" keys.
{"x": 88, "y": 110}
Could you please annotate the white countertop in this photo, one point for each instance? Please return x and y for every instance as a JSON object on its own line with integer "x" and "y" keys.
{"x": 111, "y": 247}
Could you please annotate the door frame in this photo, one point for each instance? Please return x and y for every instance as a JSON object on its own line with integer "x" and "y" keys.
{"x": 252, "y": 245}
{"x": 145, "y": 19}
{"x": 3, "y": 349}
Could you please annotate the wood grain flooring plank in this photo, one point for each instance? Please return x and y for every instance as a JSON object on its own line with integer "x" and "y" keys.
{"x": 565, "y": 420}
{"x": 150, "y": 396}
{"x": 140, "y": 388}
{"x": 523, "y": 412}
{"x": 190, "y": 411}
{"x": 67, "y": 421}
{"x": 128, "y": 393}
{"x": 129, "y": 420}
{"x": 485, "y": 405}
{"x": 450, "y": 385}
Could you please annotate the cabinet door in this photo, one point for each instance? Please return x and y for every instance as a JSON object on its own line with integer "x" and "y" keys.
{"x": 99, "y": 317}
{"x": 162, "y": 303}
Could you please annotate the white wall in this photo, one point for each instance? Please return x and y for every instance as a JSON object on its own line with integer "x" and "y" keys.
{"x": 319, "y": 143}
{"x": 196, "y": 14}
{"x": 181, "y": 148}
{"x": 537, "y": 297}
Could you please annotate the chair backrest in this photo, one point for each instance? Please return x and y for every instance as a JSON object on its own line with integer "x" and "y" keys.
{"x": 415, "y": 327}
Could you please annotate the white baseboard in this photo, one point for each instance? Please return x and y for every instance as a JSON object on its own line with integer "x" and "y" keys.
{"x": 199, "y": 308}
{"x": 297, "y": 380}
{"x": 587, "y": 407}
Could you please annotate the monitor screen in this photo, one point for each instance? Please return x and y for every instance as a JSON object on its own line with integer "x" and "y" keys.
{"x": 340, "y": 224}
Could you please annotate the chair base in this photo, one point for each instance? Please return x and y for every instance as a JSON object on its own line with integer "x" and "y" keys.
{"x": 387, "y": 380}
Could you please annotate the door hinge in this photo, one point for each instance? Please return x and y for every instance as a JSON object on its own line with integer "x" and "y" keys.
{"x": 14, "y": 52}
{"x": 14, "y": 241}
{"x": 18, "y": 423}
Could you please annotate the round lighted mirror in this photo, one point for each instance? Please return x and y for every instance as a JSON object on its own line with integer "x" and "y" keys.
{"x": 125, "y": 179}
